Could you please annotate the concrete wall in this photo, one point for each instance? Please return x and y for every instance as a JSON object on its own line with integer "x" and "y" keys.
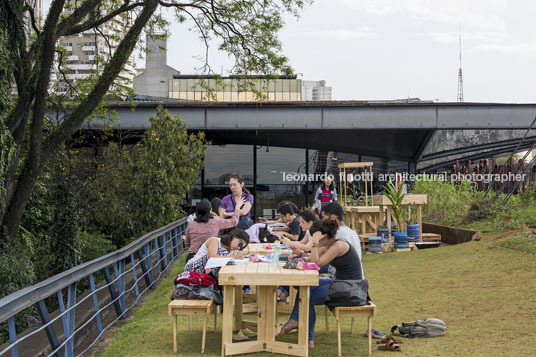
{"x": 444, "y": 140}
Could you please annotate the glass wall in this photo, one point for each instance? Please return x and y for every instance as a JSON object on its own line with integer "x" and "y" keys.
{"x": 234, "y": 89}
{"x": 281, "y": 174}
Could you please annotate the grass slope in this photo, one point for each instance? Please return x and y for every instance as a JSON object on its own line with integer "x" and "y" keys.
{"x": 485, "y": 294}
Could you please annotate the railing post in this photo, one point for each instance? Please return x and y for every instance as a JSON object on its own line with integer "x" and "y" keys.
{"x": 148, "y": 256}
{"x": 12, "y": 336}
{"x": 51, "y": 334}
{"x": 112, "y": 291}
{"x": 68, "y": 319}
{"x": 121, "y": 285}
{"x": 134, "y": 275}
{"x": 96, "y": 305}
{"x": 176, "y": 241}
{"x": 157, "y": 255}
{"x": 163, "y": 253}
{"x": 146, "y": 273}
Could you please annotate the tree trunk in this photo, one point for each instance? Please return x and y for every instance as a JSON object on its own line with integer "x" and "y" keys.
{"x": 36, "y": 158}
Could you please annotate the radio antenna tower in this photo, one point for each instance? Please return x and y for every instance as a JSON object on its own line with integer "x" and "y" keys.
{"x": 460, "y": 78}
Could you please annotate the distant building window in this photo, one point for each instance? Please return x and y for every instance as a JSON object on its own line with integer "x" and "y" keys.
{"x": 71, "y": 62}
{"x": 83, "y": 71}
{"x": 89, "y": 53}
{"x": 67, "y": 44}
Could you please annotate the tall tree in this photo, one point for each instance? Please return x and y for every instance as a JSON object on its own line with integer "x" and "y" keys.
{"x": 246, "y": 29}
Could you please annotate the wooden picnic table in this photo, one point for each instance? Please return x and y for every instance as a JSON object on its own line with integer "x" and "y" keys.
{"x": 267, "y": 278}
{"x": 264, "y": 249}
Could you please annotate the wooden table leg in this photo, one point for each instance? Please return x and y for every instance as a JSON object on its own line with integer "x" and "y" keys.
{"x": 174, "y": 333}
{"x": 204, "y": 337}
{"x": 227, "y": 323}
{"x": 271, "y": 313}
{"x": 238, "y": 308}
{"x": 303, "y": 329}
{"x": 262, "y": 302}
{"x": 370, "y": 335}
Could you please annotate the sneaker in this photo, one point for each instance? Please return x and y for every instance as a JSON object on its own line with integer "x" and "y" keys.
{"x": 239, "y": 336}
{"x": 246, "y": 290}
{"x": 248, "y": 333}
{"x": 376, "y": 334}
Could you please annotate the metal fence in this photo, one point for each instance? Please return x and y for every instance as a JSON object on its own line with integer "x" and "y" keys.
{"x": 141, "y": 263}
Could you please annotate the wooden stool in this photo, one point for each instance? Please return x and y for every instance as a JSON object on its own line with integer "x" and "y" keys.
{"x": 353, "y": 312}
{"x": 189, "y": 308}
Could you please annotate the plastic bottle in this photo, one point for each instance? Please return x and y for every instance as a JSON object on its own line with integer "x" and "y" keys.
{"x": 275, "y": 257}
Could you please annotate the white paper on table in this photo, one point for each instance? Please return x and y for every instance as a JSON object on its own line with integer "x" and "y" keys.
{"x": 217, "y": 262}
{"x": 239, "y": 261}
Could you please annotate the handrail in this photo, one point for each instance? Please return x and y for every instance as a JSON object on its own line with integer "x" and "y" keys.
{"x": 26, "y": 297}
{"x": 156, "y": 242}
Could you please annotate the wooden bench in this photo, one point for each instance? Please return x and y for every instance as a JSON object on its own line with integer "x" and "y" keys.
{"x": 189, "y": 308}
{"x": 431, "y": 237}
{"x": 353, "y": 312}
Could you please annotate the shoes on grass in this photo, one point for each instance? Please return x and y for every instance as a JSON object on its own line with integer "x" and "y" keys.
{"x": 248, "y": 333}
{"x": 239, "y": 336}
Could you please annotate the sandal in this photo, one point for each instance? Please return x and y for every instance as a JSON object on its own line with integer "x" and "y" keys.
{"x": 390, "y": 346}
{"x": 388, "y": 338}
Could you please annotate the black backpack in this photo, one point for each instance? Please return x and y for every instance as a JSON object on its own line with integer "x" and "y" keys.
{"x": 265, "y": 236}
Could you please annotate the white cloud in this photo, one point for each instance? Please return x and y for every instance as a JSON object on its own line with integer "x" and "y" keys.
{"x": 508, "y": 48}
{"x": 337, "y": 34}
{"x": 482, "y": 14}
{"x": 471, "y": 37}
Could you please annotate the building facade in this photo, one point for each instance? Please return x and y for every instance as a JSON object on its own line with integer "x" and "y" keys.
{"x": 315, "y": 90}
{"x": 153, "y": 80}
{"x": 89, "y": 51}
{"x": 235, "y": 89}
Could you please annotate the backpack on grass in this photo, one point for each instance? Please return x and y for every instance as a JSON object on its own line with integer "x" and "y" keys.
{"x": 422, "y": 328}
{"x": 192, "y": 278}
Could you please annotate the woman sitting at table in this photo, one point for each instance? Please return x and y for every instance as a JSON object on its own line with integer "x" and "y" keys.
{"x": 226, "y": 245}
{"x": 326, "y": 249}
{"x": 205, "y": 225}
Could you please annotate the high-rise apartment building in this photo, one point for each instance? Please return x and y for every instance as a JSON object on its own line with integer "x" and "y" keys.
{"x": 89, "y": 51}
{"x": 315, "y": 90}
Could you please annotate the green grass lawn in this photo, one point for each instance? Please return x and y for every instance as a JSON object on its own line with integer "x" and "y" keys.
{"x": 486, "y": 295}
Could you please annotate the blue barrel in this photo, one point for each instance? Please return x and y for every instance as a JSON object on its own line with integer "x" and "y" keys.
{"x": 374, "y": 244}
{"x": 401, "y": 240}
{"x": 384, "y": 233}
{"x": 413, "y": 232}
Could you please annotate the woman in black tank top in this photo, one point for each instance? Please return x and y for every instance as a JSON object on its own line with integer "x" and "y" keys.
{"x": 326, "y": 250}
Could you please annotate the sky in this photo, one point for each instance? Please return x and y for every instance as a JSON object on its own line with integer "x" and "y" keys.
{"x": 396, "y": 49}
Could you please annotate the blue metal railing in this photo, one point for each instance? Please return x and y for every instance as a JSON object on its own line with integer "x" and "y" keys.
{"x": 149, "y": 255}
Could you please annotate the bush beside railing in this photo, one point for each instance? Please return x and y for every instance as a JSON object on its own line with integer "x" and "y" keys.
{"x": 148, "y": 256}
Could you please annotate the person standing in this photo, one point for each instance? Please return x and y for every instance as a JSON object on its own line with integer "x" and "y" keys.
{"x": 325, "y": 194}
{"x": 228, "y": 203}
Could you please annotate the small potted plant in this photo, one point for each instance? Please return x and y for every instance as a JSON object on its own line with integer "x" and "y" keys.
{"x": 396, "y": 196}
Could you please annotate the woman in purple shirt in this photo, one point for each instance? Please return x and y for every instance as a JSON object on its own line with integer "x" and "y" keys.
{"x": 228, "y": 203}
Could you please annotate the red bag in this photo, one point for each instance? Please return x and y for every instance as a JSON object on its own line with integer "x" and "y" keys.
{"x": 191, "y": 278}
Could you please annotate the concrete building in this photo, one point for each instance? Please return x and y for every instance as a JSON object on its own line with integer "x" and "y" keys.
{"x": 88, "y": 52}
{"x": 158, "y": 81}
{"x": 154, "y": 79}
{"x": 315, "y": 90}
